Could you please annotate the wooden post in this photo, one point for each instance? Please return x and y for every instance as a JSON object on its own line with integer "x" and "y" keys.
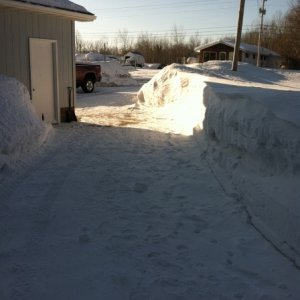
{"x": 238, "y": 37}
{"x": 262, "y": 12}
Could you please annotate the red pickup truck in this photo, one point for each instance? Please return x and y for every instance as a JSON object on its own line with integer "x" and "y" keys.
{"x": 87, "y": 75}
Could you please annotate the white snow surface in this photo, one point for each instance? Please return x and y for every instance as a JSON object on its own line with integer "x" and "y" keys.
{"x": 134, "y": 203}
{"x": 61, "y": 4}
{"x": 114, "y": 74}
{"x": 21, "y": 131}
{"x": 93, "y": 56}
{"x": 251, "y": 121}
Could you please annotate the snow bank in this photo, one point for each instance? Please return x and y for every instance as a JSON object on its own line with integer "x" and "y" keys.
{"x": 192, "y": 60}
{"x": 179, "y": 89}
{"x": 242, "y": 119}
{"x": 252, "y": 130}
{"x": 260, "y": 149}
{"x": 92, "y": 56}
{"x": 113, "y": 73}
{"x": 254, "y": 110}
{"x": 252, "y": 125}
{"x": 20, "y": 129}
{"x": 153, "y": 66}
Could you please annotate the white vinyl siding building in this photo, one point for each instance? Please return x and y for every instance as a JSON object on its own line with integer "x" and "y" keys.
{"x": 26, "y": 26}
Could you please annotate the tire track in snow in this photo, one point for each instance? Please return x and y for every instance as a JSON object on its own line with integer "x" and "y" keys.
{"x": 64, "y": 144}
{"x": 148, "y": 219}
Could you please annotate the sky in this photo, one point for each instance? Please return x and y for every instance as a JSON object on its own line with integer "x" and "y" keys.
{"x": 210, "y": 18}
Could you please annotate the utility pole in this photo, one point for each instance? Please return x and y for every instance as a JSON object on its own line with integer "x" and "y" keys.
{"x": 238, "y": 37}
{"x": 262, "y": 12}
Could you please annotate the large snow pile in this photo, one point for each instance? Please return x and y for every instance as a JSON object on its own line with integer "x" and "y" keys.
{"x": 254, "y": 133}
{"x": 21, "y": 130}
{"x": 252, "y": 129}
{"x": 152, "y": 66}
{"x": 113, "y": 73}
{"x": 179, "y": 89}
{"x": 93, "y": 56}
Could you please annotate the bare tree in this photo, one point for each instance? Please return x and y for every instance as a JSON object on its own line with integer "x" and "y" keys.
{"x": 124, "y": 41}
{"x": 195, "y": 40}
{"x": 78, "y": 42}
{"x": 292, "y": 36}
{"x": 177, "y": 35}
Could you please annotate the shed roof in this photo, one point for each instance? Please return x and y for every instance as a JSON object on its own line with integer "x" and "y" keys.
{"x": 135, "y": 52}
{"x": 63, "y": 8}
{"x": 247, "y": 48}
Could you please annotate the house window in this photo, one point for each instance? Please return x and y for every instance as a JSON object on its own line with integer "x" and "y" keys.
{"x": 207, "y": 55}
{"x": 254, "y": 56}
{"x": 222, "y": 56}
{"x": 247, "y": 55}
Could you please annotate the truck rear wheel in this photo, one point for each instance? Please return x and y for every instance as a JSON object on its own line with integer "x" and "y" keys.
{"x": 88, "y": 85}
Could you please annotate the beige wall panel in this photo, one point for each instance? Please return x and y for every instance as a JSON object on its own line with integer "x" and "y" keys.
{"x": 22, "y": 25}
{"x": 8, "y": 44}
{"x": 2, "y": 48}
{"x": 23, "y": 48}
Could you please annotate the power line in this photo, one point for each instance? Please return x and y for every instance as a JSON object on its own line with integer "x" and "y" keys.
{"x": 161, "y": 13}
{"x": 172, "y": 8}
{"x": 185, "y": 32}
{"x": 167, "y": 5}
{"x": 170, "y": 11}
{"x": 210, "y": 34}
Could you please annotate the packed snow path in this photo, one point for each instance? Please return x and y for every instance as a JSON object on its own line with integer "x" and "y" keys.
{"x": 120, "y": 213}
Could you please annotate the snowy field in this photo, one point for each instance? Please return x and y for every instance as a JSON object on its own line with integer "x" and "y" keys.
{"x": 144, "y": 200}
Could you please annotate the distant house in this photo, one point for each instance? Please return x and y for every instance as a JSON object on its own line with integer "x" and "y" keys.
{"x": 223, "y": 50}
{"x": 38, "y": 48}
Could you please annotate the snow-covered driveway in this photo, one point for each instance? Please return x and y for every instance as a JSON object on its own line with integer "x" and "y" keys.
{"x": 124, "y": 213}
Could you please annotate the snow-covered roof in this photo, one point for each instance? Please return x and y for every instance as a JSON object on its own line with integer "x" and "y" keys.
{"x": 59, "y": 7}
{"x": 248, "y": 48}
{"x": 134, "y": 52}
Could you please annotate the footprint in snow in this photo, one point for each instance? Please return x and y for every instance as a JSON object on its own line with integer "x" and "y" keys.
{"x": 182, "y": 247}
{"x": 140, "y": 187}
{"x": 84, "y": 238}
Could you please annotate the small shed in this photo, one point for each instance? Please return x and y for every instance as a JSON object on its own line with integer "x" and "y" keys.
{"x": 223, "y": 50}
{"x": 134, "y": 58}
{"x": 38, "y": 49}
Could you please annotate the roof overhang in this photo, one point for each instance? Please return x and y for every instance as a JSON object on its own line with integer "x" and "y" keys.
{"x": 246, "y": 48}
{"x": 199, "y": 48}
{"x": 76, "y": 16}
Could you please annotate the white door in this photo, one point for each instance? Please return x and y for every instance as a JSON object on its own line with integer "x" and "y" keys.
{"x": 44, "y": 79}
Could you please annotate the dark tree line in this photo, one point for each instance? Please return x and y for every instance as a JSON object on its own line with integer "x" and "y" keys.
{"x": 174, "y": 47}
{"x": 281, "y": 34}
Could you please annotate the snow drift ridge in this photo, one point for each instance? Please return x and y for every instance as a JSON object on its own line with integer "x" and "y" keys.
{"x": 251, "y": 122}
{"x": 21, "y": 130}
{"x": 239, "y": 121}
{"x": 261, "y": 153}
